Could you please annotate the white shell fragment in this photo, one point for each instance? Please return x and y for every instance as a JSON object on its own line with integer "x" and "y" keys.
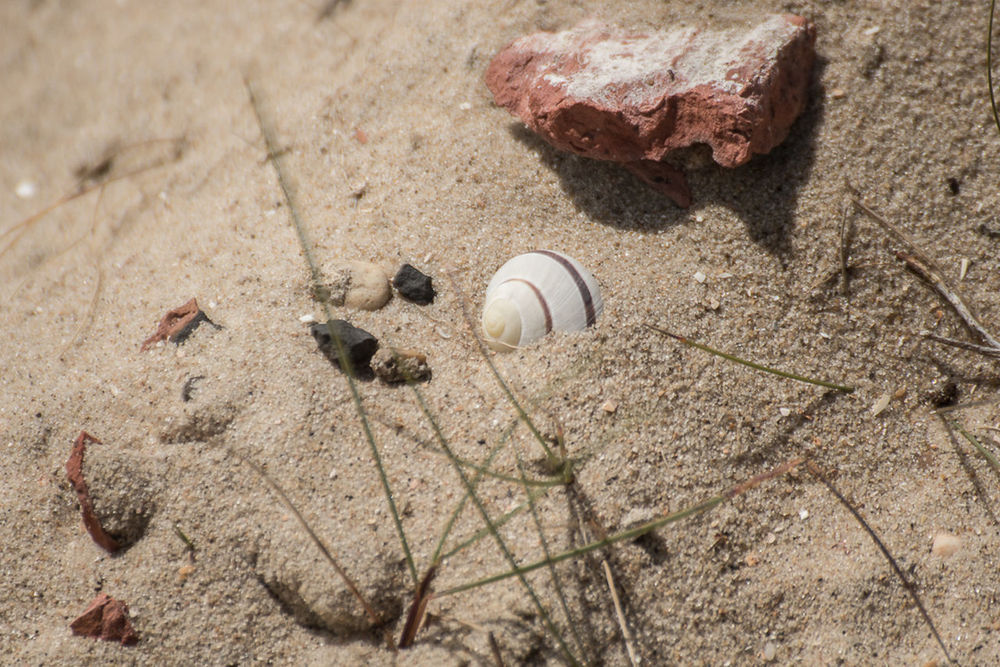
{"x": 535, "y": 293}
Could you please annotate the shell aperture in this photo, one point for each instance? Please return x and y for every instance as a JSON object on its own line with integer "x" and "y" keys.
{"x": 535, "y": 293}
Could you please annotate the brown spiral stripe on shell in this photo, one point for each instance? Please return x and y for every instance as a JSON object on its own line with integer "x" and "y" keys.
{"x": 541, "y": 302}
{"x": 581, "y": 284}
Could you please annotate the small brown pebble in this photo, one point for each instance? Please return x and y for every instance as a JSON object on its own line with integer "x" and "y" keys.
{"x": 838, "y": 93}
{"x": 610, "y": 407}
{"x": 184, "y": 572}
{"x": 106, "y": 618}
{"x": 395, "y": 366}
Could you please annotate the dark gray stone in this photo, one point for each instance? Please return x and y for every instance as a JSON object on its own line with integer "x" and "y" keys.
{"x": 357, "y": 344}
{"x": 414, "y": 285}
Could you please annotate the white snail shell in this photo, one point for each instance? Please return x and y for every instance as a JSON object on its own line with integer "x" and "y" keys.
{"x": 535, "y": 293}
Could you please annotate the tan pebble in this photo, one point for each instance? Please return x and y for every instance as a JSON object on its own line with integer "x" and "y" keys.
{"x": 900, "y": 394}
{"x": 946, "y": 544}
{"x": 361, "y": 285}
{"x": 185, "y": 571}
{"x": 610, "y": 407}
{"x": 838, "y": 93}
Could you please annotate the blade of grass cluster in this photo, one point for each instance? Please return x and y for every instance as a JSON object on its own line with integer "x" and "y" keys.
{"x": 553, "y": 573}
{"x": 480, "y": 473}
{"x": 470, "y": 492}
{"x": 632, "y": 533}
{"x": 549, "y": 455}
{"x": 498, "y": 522}
{"x": 472, "y": 465}
{"x": 348, "y": 370}
{"x": 974, "y": 441}
{"x": 756, "y": 366}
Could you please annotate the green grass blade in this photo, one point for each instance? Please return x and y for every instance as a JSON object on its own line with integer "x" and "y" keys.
{"x": 759, "y": 367}
{"x": 632, "y": 533}
{"x": 553, "y": 573}
{"x": 974, "y": 441}
{"x": 436, "y": 558}
{"x": 314, "y": 272}
{"x": 470, "y": 491}
{"x": 498, "y": 522}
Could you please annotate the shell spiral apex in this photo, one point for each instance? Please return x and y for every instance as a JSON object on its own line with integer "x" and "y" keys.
{"x": 535, "y": 293}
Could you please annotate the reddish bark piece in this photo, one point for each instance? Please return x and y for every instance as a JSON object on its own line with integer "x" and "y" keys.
{"x": 633, "y": 98}
{"x": 74, "y": 471}
{"x": 174, "y": 323}
{"x": 106, "y": 618}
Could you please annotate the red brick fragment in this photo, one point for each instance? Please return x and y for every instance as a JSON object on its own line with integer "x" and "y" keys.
{"x": 74, "y": 471}
{"x": 173, "y": 323}
{"x": 106, "y": 618}
{"x": 633, "y": 98}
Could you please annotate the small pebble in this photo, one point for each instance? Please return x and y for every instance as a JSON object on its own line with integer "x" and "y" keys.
{"x": 881, "y": 404}
{"x": 946, "y": 544}
{"x": 803, "y": 514}
{"x": 308, "y": 318}
{"x": 26, "y": 189}
{"x": 838, "y": 93}
{"x": 610, "y": 407}
{"x": 700, "y": 277}
{"x": 770, "y": 651}
{"x": 395, "y": 366}
{"x": 414, "y": 285}
{"x": 464, "y": 106}
{"x": 785, "y": 411}
{"x": 358, "y": 345}
{"x": 354, "y": 284}
{"x": 964, "y": 268}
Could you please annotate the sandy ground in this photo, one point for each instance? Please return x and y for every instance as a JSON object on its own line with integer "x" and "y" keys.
{"x": 445, "y": 180}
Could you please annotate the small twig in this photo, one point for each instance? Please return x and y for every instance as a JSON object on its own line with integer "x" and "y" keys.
{"x": 418, "y": 608}
{"x": 984, "y": 350}
{"x": 925, "y": 268}
{"x": 989, "y": 64}
{"x": 495, "y": 650}
{"x": 927, "y": 273}
{"x": 844, "y": 242}
{"x": 907, "y": 584}
{"x": 632, "y": 657}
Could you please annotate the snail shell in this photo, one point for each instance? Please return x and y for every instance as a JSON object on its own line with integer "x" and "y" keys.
{"x": 535, "y": 293}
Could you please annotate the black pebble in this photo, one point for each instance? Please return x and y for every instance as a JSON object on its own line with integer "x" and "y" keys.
{"x": 413, "y": 285}
{"x": 359, "y": 346}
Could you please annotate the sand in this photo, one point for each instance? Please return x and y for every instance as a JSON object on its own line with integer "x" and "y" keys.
{"x": 396, "y": 154}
